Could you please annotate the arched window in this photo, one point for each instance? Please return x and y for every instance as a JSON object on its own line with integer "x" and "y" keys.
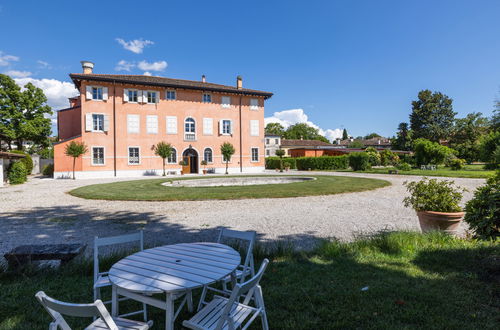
{"x": 207, "y": 155}
{"x": 189, "y": 125}
{"x": 172, "y": 159}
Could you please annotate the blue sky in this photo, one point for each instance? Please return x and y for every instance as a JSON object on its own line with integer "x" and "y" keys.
{"x": 352, "y": 64}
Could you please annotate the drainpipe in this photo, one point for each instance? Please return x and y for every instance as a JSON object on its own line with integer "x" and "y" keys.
{"x": 114, "y": 127}
{"x": 241, "y": 141}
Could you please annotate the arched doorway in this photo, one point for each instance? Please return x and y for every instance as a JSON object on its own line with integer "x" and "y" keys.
{"x": 190, "y": 158}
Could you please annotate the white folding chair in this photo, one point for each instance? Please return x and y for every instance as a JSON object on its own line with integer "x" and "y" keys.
{"x": 103, "y": 320}
{"x": 229, "y": 313}
{"x": 244, "y": 270}
{"x": 101, "y": 279}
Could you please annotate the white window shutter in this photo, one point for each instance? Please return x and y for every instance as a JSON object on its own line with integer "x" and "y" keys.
{"x": 158, "y": 95}
{"x": 220, "y": 127}
{"x": 125, "y": 95}
{"x": 139, "y": 97}
{"x": 106, "y": 123}
{"x": 231, "y": 127}
{"x": 105, "y": 93}
{"x": 88, "y": 94}
{"x": 88, "y": 122}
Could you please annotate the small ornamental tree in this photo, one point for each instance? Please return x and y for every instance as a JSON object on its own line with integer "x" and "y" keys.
{"x": 280, "y": 153}
{"x": 164, "y": 150}
{"x": 227, "y": 150}
{"x": 75, "y": 149}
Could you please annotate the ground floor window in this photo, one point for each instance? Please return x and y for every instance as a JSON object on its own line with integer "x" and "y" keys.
{"x": 207, "y": 155}
{"x": 268, "y": 152}
{"x": 97, "y": 155}
{"x": 255, "y": 154}
{"x": 172, "y": 159}
{"x": 133, "y": 156}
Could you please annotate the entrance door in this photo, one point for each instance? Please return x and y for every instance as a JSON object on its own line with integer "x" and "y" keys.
{"x": 190, "y": 157}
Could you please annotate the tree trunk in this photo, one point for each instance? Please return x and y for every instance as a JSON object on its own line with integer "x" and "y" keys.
{"x": 19, "y": 145}
{"x": 74, "y": 161}
{"x": 163, "y": 166}
{"x": 281, "y": 164}
{"x": 227, "y": 165}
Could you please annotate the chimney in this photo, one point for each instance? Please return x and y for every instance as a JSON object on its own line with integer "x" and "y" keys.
{"x": 87, "y": 67}
{"x": 203, "y": 78}
{"x": 239, "y": 82}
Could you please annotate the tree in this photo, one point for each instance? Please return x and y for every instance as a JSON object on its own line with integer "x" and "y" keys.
{"x": 403, "y": 138}
{"x": 432, "y": 116}
{"x": 466, "y": 135}
{"x": 428, "y": 152}
{"x": 75, "y": 149}
{"x": 489, "y": 148}
{"x": 356, "y": 144}
{"x": 280, "y": 153}
{"x": 495, "y": 119}
{"x": 164, "y": 150}
{"x": 10, "y": 116}
{"x": 372, "y": 135}
{"x": 345, "y": 136}
{"x": 304, "y": 131}
{"x": 227, "y": 150}
{"x": 274, "y": 129}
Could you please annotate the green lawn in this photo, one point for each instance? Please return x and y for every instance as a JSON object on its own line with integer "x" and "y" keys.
{"x": 430, "y": 281}
{"x": 469, "y": 171}
{"x": 153, "y": 190}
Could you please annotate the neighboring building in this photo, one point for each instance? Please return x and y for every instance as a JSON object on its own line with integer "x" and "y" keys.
{"x": 377, "y": 142}
{"x": 271, "y": 143}
{"x": 122, "y": 117}
{"x": 291, "y": 147}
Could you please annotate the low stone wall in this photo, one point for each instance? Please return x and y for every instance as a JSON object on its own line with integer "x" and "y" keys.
{"x": 237, "y": 181}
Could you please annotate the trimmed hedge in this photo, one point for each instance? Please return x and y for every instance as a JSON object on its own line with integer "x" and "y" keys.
{"x": 322, "y": 163}
{"x": 17, "y": 173}
{"x": 274, "y": 162}
{"x": 28, "y": 162}
{"x": 359, "y": 161}
{"x": 48, "y": 170}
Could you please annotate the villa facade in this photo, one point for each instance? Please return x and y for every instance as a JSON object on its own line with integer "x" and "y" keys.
{"x": 121, "y": 118}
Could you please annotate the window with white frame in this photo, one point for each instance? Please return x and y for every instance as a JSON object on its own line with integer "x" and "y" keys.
{"x": 172, "y": 159}
{"x": 226, "y": 101}
{"x": 267, "y": 141}
{"x": 133, "y": 95}
{"x": 152, "y": 124}
{"x": 97, "y": 155}
{"x": 97, "y": 122}
{"x": 171, "y": 125}
{"x": 133, "y": 123}
{"x": 254, "y": 127}
{"x": 254, "y": 104}
{"x": 255, "y": 154}
{"x": 208, "y": 126}
{"x": 207, "y": 97}
{"x": 226, "y": 127}
{"x": 268, "y": 152}
{"x": 276, "y": 141}
{"x": 207, "y": 155}
{"x": 171, "y": 95}
{"x": 133, "y": 156}
{"x": 152, "y": 96}
{"x": 97, "y": 93}
{"x": 189, "y": 129}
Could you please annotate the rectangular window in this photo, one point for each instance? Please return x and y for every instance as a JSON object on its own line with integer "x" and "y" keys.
{"x": 276, "y": 141}
{"x": 171, "y": 125}
{"x": 267, "y": 141}
{"x": 254, "y": 127}
{"x": 133, "y": 156}
{"x": 172, "y": 159}
{"x": 133, "y": 123}
{"x": 97, "y": 155}
{"x": 255, "y": 154}
{"x": 97, "y": 122}
{"x": 171, "y": 95}
{"x": 152, "y": 97}
{"x": 133, "y": 95}
{"x": 226, "y": 127}
{"x": 152, "y": 124}
{"x": 207, "y": 97}
{"x": 254, "y": 104}
{"x": 208, "y": 126}
{"x": 96, "y": 93}
{"x": 226, "y": 102}
{"x": 267, "y": 152}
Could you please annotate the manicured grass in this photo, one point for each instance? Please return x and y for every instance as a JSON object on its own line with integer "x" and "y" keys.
{"x": 430, "y": 281}
{"x": 153, "y": 190}
{"x": 469, "y": 171}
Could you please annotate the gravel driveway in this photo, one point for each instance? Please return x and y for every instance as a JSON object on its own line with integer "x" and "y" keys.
{"x": 41, "y": 211}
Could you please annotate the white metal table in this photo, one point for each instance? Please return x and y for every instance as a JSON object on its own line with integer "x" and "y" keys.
{"x": 172, "y": 269}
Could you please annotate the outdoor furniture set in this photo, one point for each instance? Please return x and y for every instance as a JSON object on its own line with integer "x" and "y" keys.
{"x": 162, "y": 275}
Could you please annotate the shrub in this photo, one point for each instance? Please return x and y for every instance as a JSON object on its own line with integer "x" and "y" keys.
{"x": 28, "y": 162}
{"x": 456, "y": 164}
{"x": 483, "y": 210}
{"x": 404, "y": 167}
{"x": 322, "y": 163}
{"x": 407, "y": 158}
{"x": 359, "y": 161}
{"x": 48, "y": 170}
{"x": 428, "y": 152}
{"x": 274, "y": 162}
{"x": 17, "y": 173}
{"x": 433, "y": 195}
{"x": 373, "y": 158}
{"x": 488, "y": 146}
{"x": 287, "y": 163}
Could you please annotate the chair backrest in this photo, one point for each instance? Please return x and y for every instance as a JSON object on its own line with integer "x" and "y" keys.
{"x": 105, "y": 241}
{"x": 58, "y": 308}
{"x": 248, "y": 288}
{"x": 248, "y": 236}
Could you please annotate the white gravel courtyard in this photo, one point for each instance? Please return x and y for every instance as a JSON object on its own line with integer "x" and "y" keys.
{"x": 41, "y": 211}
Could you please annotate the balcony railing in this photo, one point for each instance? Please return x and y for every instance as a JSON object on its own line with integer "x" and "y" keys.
{"x": 189, "y": 137}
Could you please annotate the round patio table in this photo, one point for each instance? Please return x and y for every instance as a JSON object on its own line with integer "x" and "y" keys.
{"x": 172, "y": 269}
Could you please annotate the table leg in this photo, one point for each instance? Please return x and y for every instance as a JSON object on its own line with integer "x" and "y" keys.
{"x": 190, "y": 301}
{"x": 233, "y": 279}
{"x": 114, "y": 301}
{"x": 169, "y": 312}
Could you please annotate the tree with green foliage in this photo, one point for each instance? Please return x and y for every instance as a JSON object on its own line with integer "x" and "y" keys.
{"x": 10, "y": 115}
{"x": 428, "y": 152}
{"x": 27, "y": 160}
{"x": 17, "y": 173}
{"x": 466, "y": 135}
{"x": 164, "y": 150}
{"x": 75, "y": 149}
{"x": 372, "y": 135}
{"x": 403, "y": 140}
{"x": 274, "y": 129}
{"x": 432, "y": 116}
{"x": 495, "y": 119}
{"x": 489, "y": 147}
{"x": 304, "y": 131}
{"x": 345, "y": 136}
{"x": 356, "y": 144}
{"x": 280, "y": 153}
{"x": 227, "y": 150}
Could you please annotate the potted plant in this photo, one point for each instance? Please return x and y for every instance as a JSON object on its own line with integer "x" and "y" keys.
{"x": 182, "y": 163}
{"x": 286, "y": 164}
{"x": 436, "y": 203}
{"x": 204, "y": 163}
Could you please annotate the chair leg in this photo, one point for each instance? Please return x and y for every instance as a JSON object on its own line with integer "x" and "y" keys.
{"x": 202, "y": 298}
{"x": 263, "y": 317}
{"x": 190, "y": 301}
{"x": 145, "y": 311}
{"x": 97, "y": 293}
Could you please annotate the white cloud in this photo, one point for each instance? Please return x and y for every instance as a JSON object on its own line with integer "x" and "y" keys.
{"x": 291, "y": 117}
{"x": 43, "y": 65}
{"x": 154, "y": 66}
{"x": 147, "y": 73}
{"x": 124, "y": 66}
{"x": 135, "y": 46}
{"x": 18, "y": 74}
{"x": 6, "y": 59}
{"x": 57, "y": 92}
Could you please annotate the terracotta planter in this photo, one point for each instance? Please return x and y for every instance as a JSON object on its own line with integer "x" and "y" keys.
{"x": 447, "y": 222}
{"x": 204, "y": 172}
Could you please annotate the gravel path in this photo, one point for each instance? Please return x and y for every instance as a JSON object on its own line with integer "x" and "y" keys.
{"x": 41, "y": 211}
